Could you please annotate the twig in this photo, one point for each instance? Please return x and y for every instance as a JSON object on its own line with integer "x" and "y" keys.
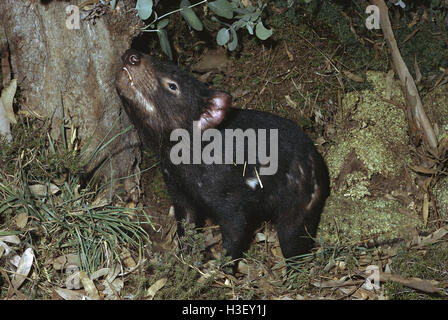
{"x": 414, "y": 104}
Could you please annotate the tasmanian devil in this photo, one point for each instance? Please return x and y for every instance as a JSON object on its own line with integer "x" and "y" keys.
{"x": 167, "y": 105}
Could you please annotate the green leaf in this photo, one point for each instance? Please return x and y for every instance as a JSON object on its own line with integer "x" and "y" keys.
{"x": 189, "y": 16}
{"x": 223, "y": 36}
{"x": 164, "y": 43}
{"x": 113, "y": 3}
{"x": 250, "y": 29}
{"x": 162, "y": 23}
{"x": 233, "y": 44}
{"x": 144, "y": 8}
{"x": 261, "y": 32}
{"x": 221, "y": 8}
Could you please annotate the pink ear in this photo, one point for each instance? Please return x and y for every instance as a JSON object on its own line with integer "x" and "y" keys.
{"x": 215, "y": 110}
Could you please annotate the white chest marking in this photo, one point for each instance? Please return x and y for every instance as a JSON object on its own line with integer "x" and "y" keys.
{"x": 252, "y": 182}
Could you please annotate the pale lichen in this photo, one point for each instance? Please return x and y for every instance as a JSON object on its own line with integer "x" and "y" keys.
{"x": 347, "y": 220}
{"x": 371, "y": 140}
{"x": 379, "y": 133}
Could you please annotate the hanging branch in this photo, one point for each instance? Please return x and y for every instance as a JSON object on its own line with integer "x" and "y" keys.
{"x": 417, "y": 119}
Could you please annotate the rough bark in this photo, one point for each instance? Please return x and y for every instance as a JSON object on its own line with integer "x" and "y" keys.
{"x": 56, "y": 66}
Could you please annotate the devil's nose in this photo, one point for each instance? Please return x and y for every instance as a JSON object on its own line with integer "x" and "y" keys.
{"x": 132, "y": 57}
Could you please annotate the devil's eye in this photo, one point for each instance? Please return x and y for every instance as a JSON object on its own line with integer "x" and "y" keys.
{"x": 172, "y": 86}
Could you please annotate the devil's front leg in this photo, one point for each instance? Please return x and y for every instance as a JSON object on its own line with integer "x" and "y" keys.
{"x": 185, "y": 211}
{"x": 237, "y": 230}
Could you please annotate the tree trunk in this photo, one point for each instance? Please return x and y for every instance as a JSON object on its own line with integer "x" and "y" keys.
{"x": 56, "y": 67}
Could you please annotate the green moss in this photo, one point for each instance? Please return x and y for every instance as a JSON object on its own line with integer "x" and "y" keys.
{"x": 396, "y": 291}
{"x": 372, "y": 134}
{"x": 357, "y": 185}
{"x": 346, "y": 219}
{"x": 379, "y": 134}
{"x": 431, "y": 264}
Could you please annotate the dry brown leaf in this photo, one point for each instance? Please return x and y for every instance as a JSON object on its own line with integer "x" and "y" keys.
{"x": 206, "y": 76}
{"x": 353, "y": 76}
{"x": 413, "y": 22}
{"x": 128, "y": 261}
{"x": 211, "y": 61}
{"x": 290, "y": 55}
{"x": 73, "y": 281}
{"x": 7, "y": 97}
{"x": 290, "y": 102}
{"x": 5, "y": 124}
{"x": 89, "y": 286}
{"x": 111, "y": 288}
{"x": 151, "y": 292}
{"x": 425, "y": 209}
{"x": 336, "y": 283}
{"x": 414, "y": 283}
{"x": 65, "y": 260}
{"x": 4, "y": 249}
{"x": 424, "y": 170}
{"x": 242, "y": 267}
{"x": 100, "y": 273}
{"x": 276, "y": 251}
{"x": 21, "y": 220}
{"x": 10, "y": 239}
{"x": 434, "y": 237}
{"x": 71, "y": 295}
{"x": 41, "y": 190}
{"x": 418, "y": 74}
{"x": 23, "y": 269}
{"x": 366, "y": 294}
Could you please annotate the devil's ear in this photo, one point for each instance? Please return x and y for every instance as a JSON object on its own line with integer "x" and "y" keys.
{"x": 215, "y": 109}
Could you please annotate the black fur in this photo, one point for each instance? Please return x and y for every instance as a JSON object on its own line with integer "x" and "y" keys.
{"x": 293, "y": 198}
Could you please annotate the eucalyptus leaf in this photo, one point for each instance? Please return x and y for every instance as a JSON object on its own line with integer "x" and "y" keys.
{"x": 239, "y": 24}
{"x": 234, "y": 43}
{"x": 162, "y": 23}
{"x": 164, "y": 43}
{"x": 189, "y": 16}
{"x": 222, "y": 8}
{"x": 245, "y": 18}
{"x": 261, "y": 32}
{"x": 113, "y": 3}
{"x": 250, "y": 29}
{"x": 254, "y": 16}
{"x": 144, "y": 8}
{"x": 223, "y": 36}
